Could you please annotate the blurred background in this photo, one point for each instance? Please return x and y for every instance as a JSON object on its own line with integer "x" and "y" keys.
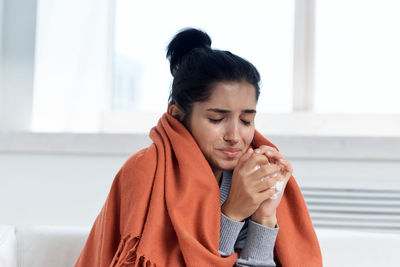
{"x": 83, "y": 82}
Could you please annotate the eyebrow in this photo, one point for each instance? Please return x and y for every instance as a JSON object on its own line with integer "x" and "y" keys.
{"x": 224, "y": 111}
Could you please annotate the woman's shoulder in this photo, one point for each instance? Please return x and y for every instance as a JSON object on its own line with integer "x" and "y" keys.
{"x": 138, "y": 156}
{"x": 140, "y": 165}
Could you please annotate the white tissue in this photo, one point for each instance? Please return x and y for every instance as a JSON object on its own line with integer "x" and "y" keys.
{"x": 278, "y": 186}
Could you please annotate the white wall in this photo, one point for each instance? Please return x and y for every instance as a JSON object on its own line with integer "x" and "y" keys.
{"x": 63, "y": 179}
{"x": 58, "y": 179}
{"x": 54, "y": 189}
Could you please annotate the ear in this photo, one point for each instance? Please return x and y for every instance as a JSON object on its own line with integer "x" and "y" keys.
{"x": 176, "y": 112}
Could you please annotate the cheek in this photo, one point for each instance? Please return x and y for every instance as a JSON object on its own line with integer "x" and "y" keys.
{"x": 248, "y": 135}
{"x": 206, "y": 136}
{"x": 211, "y": 136}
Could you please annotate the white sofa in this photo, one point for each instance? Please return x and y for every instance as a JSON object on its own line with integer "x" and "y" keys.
{"x": 41, "y": 246}
{"x": 55, "y": 246}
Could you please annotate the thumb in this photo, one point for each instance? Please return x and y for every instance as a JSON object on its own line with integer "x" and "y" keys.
{"x": 245, "y": 157}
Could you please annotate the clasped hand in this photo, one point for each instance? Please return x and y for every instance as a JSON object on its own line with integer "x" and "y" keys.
{"x": 253, "y": 184}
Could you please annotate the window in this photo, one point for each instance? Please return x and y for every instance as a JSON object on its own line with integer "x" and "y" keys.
{"x": 357, "y": 57}
{"x": 105, "y": 69}
{"x": 260, "y": 31}
{"x": 72, "y": 75}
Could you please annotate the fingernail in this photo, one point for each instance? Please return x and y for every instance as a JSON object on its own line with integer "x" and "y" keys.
{"x": 269, "y": 152}
{"x": 257, "y": 150}
{"x": 283, "y": 160}
{"x": 274, "y": 175}
{"x": 250, "y": 150}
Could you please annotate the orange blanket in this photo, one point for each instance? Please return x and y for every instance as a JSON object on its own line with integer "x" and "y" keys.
{"x": 164, "y": 209}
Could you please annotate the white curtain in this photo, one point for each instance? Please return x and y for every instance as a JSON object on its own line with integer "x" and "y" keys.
{"x": 73, "y": 63}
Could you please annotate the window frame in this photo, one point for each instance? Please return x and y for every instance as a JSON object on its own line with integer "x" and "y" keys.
{"x": 17, "y": 49}
{"x": 303, "y": 59}
{"x": 303, "y": 83}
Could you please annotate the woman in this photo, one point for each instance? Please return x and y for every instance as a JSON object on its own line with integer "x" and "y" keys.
{"x": 208, "y": 191}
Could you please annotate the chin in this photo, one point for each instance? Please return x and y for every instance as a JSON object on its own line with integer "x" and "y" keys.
{"x": 227, "y": 165}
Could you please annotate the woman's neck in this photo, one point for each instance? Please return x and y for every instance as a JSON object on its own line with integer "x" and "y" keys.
{"x": 218, "y": 175}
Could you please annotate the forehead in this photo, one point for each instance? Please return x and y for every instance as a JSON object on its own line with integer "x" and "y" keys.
{"x": 232, "y": 96}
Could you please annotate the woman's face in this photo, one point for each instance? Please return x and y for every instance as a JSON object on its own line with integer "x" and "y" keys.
{"x": 223, "y": 126}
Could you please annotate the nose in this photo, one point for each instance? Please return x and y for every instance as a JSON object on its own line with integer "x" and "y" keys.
{"x": 232, "y": 133}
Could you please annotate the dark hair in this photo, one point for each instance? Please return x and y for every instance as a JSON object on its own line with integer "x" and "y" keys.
{"x": 196, "y": 68}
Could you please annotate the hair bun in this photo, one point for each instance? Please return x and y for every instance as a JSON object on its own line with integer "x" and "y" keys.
{"x": 184, "y": 41}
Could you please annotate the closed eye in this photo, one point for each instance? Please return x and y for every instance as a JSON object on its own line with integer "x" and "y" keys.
{"x": 247, "y": 123}
{"x": 215, "y": 121}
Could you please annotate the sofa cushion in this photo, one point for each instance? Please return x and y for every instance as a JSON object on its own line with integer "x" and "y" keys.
{"x": 49, "y": 246}
{"x": 8, "y": 246}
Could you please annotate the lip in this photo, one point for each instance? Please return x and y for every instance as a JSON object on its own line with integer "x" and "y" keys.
{"x": 230, "y": 152}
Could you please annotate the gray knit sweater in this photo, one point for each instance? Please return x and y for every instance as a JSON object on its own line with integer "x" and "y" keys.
{"x": 255, "y": 242}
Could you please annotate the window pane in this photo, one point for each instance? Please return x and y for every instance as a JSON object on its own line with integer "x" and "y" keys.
{"x": 72, "y": 65}
{"x": 357, "y": 56}
{"x": 260, "y": 31}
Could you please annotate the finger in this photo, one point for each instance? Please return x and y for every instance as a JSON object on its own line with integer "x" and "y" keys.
{"x": 264, "y": 148}
{"x": 265, "y": 184}
{"x": 274, "y": 192}
{"x": 245, "y": 157}
{"x": 255, "y": 162}
{"x": 277, "y": 158}
{"x": 287, "y": 167}
{"x": 272, "y": 153}
{"x": 267, "y": 194}
{"x": 276, "y": 182}
{"x": 266, "y": 171}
